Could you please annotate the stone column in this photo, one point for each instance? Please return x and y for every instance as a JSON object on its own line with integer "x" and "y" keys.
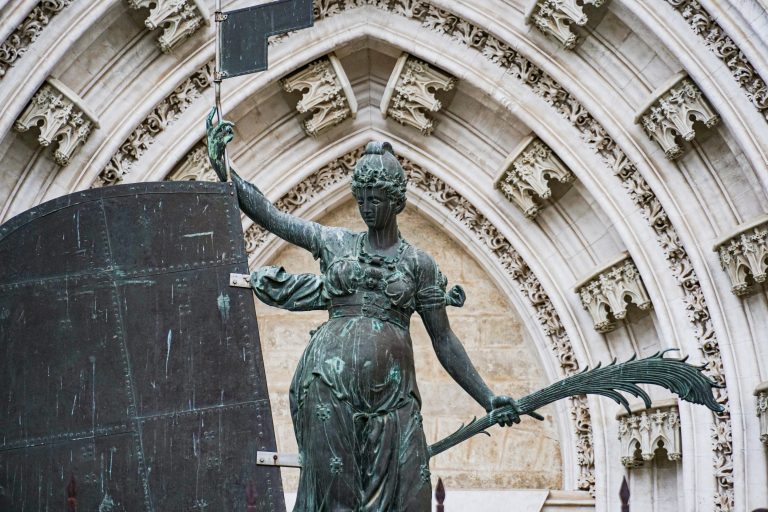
{"x": 607, "y": 292}
{"x": 526, "y": 173}
{"x": 670, "y": 112}
{"x": 60, "y": 115}
{"x": 327, "y": 94}
{"x": 744, "y": 255}
{"x": 410, "y": 93}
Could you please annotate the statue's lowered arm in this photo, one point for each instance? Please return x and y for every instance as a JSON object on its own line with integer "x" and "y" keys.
{"x": 252, "y": 201}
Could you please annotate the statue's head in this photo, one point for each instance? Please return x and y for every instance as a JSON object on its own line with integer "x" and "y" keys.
{"x": 377, "y": 177}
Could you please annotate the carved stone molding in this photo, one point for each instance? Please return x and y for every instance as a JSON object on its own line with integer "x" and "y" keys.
{"x": 196, "y": 167}
{"x": 327, "y": 95}
{"x": 410, "y": 93}
{"x": 555, "y": 17}
{"x": 19, "y": 41}
{"x": 61, "y": 116}
{"x": 721, "y": 44}
{"x": 432, "y": 188}
{"x": 179, "y": 19}
{"x": 161, "y": 117}
{"x": 669, "y": 114}
{"x": 526, "y": 173}
{"x": 607, "y": 292}
{"x": 645, "y": 430}
{"x": 744, "y": 255}
{"x": 761, "y": 404}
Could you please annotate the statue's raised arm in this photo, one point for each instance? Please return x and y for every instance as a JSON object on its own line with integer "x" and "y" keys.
{"x": 252, "y": 201}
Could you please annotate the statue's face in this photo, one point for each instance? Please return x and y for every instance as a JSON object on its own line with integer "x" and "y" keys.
{"x": 376, "y": 209}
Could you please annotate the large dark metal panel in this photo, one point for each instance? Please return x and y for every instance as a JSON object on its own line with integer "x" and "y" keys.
{"x": 244, "y": 33}
{"x": 130, "y": 370}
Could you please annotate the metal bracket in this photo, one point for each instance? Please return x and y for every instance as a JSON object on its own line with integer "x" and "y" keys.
{"x": 219, "y": 16}
{"x": 286, "y": 460}
{"x": 240, "y": 281}
{"x": 218, "y": 76}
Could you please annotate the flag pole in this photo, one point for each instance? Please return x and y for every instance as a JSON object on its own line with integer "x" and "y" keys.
{"x": 219, "y": 17}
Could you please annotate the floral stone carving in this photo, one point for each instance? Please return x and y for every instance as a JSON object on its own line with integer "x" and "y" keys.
{"x": 327, "y": 95}
{"x": 526, "y": 173}
{"x": 761, "y": 403}
{"x": 61, "y": 116}
{"x": 644, "y": 430}
{"x": 744, "y": 255}
{"x": 196, "y": 167}
{"x": 19, "y": 41}
{"x": 671, "y": 111}
{"x": 555, "y": 17}
{"x": 410, "y": 93}
{"x": 608, "y": 291}
{"x": 179, "y": 19}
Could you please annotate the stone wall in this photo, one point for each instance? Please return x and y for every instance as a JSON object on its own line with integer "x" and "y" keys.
{"x": 527, "y": 456}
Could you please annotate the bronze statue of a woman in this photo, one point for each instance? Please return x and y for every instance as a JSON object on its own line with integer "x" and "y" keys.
{"x": 354, "y": 401}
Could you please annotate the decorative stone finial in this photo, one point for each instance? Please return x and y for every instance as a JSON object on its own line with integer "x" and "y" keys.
{"x": 609, "y": 290}
{"x": 526, "y": 173}
{"x": 555, "y": 17}
{"x": 744, "y": 255}
{"x": 761, "y": 403}
{"x": 61, "y": 116}
{"x": 327, "y": 94}
{"x": 646, "y": 429}
{"x": 196, "y": 167}
{"x": 179, "y": 19}
{"x": 669, "y": 114}
{"x": 410, "y": 93}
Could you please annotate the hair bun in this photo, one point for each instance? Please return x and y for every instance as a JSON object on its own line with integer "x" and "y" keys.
{"x": 377, "y": 147}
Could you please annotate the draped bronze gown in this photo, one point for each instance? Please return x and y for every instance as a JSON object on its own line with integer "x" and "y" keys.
{"x": 354, "y": 401}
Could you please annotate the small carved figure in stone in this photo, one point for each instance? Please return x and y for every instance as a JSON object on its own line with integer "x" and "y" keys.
{"x": 354, "y": 401}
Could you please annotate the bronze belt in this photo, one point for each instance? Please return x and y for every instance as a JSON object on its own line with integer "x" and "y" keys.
{"x": 393, "y": 316}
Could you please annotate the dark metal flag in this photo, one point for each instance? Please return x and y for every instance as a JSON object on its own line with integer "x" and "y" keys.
{"x": 131, "y": 371}
{"x": 244, "y": 33}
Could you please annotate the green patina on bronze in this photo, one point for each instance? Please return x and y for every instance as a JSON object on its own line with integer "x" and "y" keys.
{"x": 354, "y": 401}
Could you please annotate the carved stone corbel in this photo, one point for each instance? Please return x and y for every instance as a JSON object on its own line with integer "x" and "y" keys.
{"x": 669, "y": 114}
{"x": 179, "y": 19}
{"x": 555, "y": 17}
{"x": 327, "y": 95}
{"x": 60, "y": 115}
{"x": 744, "y": 255}
{"x": 196, "y": 167}
{"x": 647, "y": 429}
{"x": 761, "y": 404}
{"x": 410, "y": 93}
{"x": 607, "y": 292}
{"x": 526, "y": 173}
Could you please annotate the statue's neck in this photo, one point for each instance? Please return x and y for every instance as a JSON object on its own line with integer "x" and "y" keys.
{"x": 384, "y": 240}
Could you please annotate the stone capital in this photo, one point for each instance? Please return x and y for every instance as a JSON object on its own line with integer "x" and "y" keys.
{"x": 642, "y": 431}
{"x": 607, "y": 292}
{"x": 556, "y": 17}
{"x": 669, "y": 114}
{"x": 61, "y": 116}
{"x": 179, "y": 19}
{"x": 410, "y": 93}
{"x": 744, "y": 255}
{"x": 527, "y": 172}
{"x": 327, "y": 94}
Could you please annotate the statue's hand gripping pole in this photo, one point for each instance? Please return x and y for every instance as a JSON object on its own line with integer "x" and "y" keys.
{"x": 686, "y": 380}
